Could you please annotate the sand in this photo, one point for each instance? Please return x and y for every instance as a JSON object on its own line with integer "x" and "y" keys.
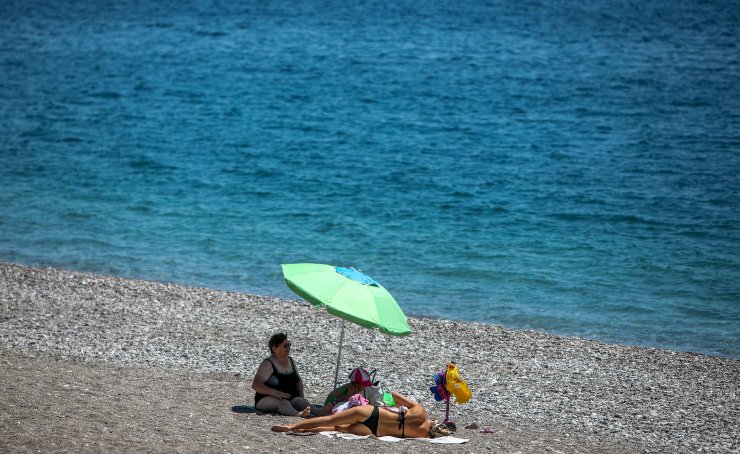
{"x": 97, "y": 363}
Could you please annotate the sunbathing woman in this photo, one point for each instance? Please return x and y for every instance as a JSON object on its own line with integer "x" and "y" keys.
{"x": 359, "y": 380}
{"x": 368, "y": 419}
{"x": 277, "y": 385}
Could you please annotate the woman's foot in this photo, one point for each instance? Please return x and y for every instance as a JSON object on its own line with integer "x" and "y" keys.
{"x": 306, "y": 412}
{"x": 280, "y": 429}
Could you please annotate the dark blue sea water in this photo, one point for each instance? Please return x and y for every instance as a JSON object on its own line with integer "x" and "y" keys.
{"x": 572, "y": 167}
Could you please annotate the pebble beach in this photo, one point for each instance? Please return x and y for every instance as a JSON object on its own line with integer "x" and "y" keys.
{"x": 92, "y": 362}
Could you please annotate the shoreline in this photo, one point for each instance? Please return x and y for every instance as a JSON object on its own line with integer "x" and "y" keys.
{"x": 416, "y": 316}
{"x": 593, "y": 395}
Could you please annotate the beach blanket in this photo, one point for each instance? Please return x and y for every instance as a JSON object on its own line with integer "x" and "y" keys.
{"x": 442, "y": 440}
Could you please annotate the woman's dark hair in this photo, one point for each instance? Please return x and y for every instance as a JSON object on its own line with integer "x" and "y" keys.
{"x": 276, "y": 340}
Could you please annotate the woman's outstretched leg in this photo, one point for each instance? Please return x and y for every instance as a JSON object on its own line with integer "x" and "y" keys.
{"x": 322, "y": 423}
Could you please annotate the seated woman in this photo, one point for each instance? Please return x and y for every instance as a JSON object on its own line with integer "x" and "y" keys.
{"x": 372, "y": 420}
{"x": 359, "y": 380}
{"x": 277, "y": 385}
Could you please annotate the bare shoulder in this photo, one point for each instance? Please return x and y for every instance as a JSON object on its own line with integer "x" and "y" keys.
{"x": 265, "y": 366}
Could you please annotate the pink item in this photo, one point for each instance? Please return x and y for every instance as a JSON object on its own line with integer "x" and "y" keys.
{"x": 355, "y": 400}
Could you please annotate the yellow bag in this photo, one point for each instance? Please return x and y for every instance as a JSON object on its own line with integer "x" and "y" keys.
{"x": 456, "y": 386}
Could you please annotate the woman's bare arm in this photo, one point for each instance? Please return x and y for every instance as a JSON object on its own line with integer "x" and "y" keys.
{"x": 400, "y": 399}
{"x": 337, "y": 394}
{"x": 263, "y": 374}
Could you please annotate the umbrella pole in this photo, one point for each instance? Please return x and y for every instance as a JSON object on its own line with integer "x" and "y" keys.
{"x": 339, "y": 356}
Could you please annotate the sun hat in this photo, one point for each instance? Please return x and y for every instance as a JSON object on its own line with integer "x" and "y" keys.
{"x": 360, "y": 376}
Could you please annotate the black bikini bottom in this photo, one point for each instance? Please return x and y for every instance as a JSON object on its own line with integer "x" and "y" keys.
{"x": 372, "y": 421}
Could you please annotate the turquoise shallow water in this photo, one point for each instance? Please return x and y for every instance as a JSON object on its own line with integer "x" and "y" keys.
{"x": 562, "y": 166}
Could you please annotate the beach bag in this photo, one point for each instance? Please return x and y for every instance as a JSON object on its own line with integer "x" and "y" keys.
{"x": 376, "y": 395}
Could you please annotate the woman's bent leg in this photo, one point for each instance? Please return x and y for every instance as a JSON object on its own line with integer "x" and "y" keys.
{"x": 301, "y": 405}
{"x": 282, "y": 406}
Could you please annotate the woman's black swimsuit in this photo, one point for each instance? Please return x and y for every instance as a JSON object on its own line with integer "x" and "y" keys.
{"x": 372, "y": 421}
{"x": 287, "y": 383}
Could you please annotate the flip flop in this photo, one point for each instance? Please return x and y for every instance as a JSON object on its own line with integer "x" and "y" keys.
{"x": 486, "y": 430}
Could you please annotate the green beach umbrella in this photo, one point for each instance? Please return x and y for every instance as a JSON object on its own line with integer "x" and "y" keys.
{"x": 348, "y": 294}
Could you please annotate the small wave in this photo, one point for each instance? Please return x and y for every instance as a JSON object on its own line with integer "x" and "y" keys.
{"x": 142, "y": 87}
{"x": 106, "y": 95}
{"x": 209, "y": 34}
{"x": 691, "y": 102}
{"x": 264, "y": 172}
{"x": 571, "y": 217}
{"x": 329, "y": 226}
{"x": 185, "y": 94}
{"x": 296, "y": 215}
{"x": 161, "y": 25}
{"x": 146, "y": 163}
{"x": 627, "y": 308}
{"x": 76, "y": 214}
{"x": 140, "y": 208}
{"x": 72, "y": 244}
{"x": 630, "y": 219}
{"x": 707, "y": 314}
{"x": 605, "y": 218}
{"x": 35, "y": 133}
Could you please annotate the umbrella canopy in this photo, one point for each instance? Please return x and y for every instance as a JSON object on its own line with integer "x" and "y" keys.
{"x": 348, "y": 294}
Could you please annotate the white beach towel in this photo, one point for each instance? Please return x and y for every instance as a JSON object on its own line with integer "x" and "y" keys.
{"x": 443, "y": 440}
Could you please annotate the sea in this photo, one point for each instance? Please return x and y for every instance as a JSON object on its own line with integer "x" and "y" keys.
{"x": 563, "y": 166}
